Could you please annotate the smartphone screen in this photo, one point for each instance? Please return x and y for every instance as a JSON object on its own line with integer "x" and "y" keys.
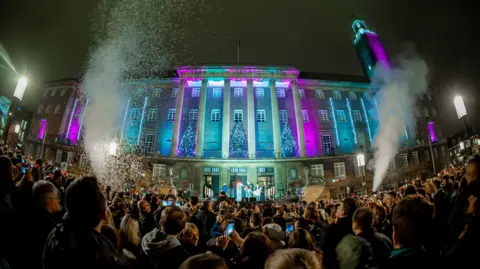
{"x": 178, "y": 204}
{"x": 24, "y": 170}
{"x": 230, "y": 228}
{"x": 290, "y": 227}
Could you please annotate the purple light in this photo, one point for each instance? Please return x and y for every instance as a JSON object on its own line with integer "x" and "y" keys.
{"x": 183, "y": 70}
{"x": 43, "y": 127}
{"x": 431, "y": 131}
{"x": 378, "y": 50}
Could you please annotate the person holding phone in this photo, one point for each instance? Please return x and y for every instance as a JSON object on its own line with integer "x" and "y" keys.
{"x": 146, "y": 220}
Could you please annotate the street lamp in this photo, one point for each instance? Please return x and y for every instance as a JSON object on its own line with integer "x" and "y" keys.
{"x": 461, "y": 110}
{"x": 21, "y": 86}
{"x": 18, "y": 93}
{"x": 361, "y": 165}
{"x": 112, "y": 149}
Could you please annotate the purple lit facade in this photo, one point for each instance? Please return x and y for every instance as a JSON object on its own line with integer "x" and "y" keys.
{"x": 431, "y": 131}
{"x": 42, "y": 129}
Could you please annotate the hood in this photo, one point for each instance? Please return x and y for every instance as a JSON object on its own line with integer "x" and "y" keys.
{"x": 157, "y": 242}
{"x": 274, "y": 232}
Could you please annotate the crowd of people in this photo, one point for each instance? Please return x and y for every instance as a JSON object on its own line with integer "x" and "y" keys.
{"x": 51, "y": 221}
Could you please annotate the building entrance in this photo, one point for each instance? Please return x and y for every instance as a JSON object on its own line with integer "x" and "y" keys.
{"x": 211, "y": 186}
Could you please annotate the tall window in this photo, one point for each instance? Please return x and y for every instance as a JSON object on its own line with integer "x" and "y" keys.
{"x": 70, "y": 157}
{"x": 327, "y": 144}
{"x": 149, "y": 143}
{"x": 357, "y": 116}
{"x": 238, "y": 92}
{"x": 283, "y": 116}
{"x": 159, "y": 171}
{"x": 62, "y": 93}
{"x": 319, "y": 94}
{"x": 301, "y": 93}
{"x": 415, "y": 160}
{"x": 58, "y": 158}
{"x": 403, "y": 160}
{"x": 304, "y": 115}
{"x": 341, "y": 116}
{"x": 140, "y": 92}
{"x": 353, "y": 95}
{"x": 260, "y": 92}
{"x": 323, "y": 113}
{"x": 337, "y": 95}
{"x": 152, "y": 114}
{"x": 338, "y": 170}
{"x": 261, "y": 115}
{"x": 280, "y": 93}
{"x": 193, "y": 114}
{"x": 217, "y": 92}
{"x": 195, "y": 92}
{"x": 215, "y": 115}
{"x": 49, "y": 109}
{"x": 316, "y": 170}
{"x": 40, "y": 109}
{"x": 434, "y": 112}
{"x": 156, "y": 93}
{"x": 238, "y": 115}
{"x": 171, "y": 115}
{"x": 58, "y": 108}
{"x": 371, "y": 115}
{"x": 134, "y": 114}
{"x": 53, "y": 93}
{"x": 174, "y": 92}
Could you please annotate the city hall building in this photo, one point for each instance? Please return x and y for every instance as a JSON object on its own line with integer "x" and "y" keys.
{"x": 251, "y": 131}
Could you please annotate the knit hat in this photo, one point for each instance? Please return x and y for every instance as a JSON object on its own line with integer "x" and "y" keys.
{"x": 274, "y": 232}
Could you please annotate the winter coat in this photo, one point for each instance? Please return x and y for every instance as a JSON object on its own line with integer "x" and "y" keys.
{"x": 161, "y": 251}
{"x": 207, "y": 219}
{"x": 333, "y": 236}
{"x": 146, "y": 222}
{"x": 381, "y": 246}
{"x": 73, "y": 247}
{"x": 413, "y": 258}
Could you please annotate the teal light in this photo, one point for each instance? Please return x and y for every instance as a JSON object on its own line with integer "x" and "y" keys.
{"x": 141, "y": 120}
{"x": 81, "y": 121}
{"x": 349, "y": 107}
{"x": 124, "y": 119}
{"x": 366, "y": 120}
{"x": 334, "y": 120}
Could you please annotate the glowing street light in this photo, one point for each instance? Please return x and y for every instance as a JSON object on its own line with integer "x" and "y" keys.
{"x": 361, "y": 166}
{"x": 112, "y": 149}
{"x": 361, "y": 159}
{"x": 460, "y": 106}
{"x": 17, "y": 128}
{"x": 20, "y": 89}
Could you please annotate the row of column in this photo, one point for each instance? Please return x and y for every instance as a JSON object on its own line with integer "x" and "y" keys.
{"x": 251, "y": 118}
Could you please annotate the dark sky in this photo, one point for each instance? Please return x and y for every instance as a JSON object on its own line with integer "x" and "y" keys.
{"x": 49, "y": 39}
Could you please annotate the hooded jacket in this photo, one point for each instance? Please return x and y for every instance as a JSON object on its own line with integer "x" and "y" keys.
{"x": 160, "y": 250}
{"x": 73, "y": 247}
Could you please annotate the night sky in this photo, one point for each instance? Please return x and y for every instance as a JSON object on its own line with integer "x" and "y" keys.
{"x": 50, "y": 39}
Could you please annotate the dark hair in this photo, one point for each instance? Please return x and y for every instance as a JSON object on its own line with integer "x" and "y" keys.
{"x": 393, "y": 193}
{"x": 239, "y": 225}
{"x": 257, "y": 247}
{"x": 267, "y": 220}
{"x": 205, "y": 205}
{"x": 85, "y": 203}
{"x": 204, "y": 261}
{"x": 194, "y": 200}
{"x": 422, "y": 191}
{"x": 301, "y": 238}
{"x": 6, "y": 176}
{"x": 410, "y": 190}
{"x": 173, "y": 220}
{"x": 412, "y": 221}
{"x": 349, "y": 206}
{"x": 256, "y": 219}
{"x": 303, "y": 223}
{"x": 110, "y": 234}
{"x": 363, "y": 217}
{"x": 57, "y": 174}
{"x": 170, "y": 196}
{"x": 41, "y": 191}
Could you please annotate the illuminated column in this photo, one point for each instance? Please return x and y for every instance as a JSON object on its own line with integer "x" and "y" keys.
{"x": 177, "y": 120}
{"x": 298, "y": 119}
{"x": 201, "y": 119}
{"x": 226, "y": 120}
{"x": 251, "y": 120}
{"x": 275, "y": 121}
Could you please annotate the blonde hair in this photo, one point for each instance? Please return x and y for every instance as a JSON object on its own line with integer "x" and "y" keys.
{"x": 293, "y": 258}
{"x": 130, "y": 229}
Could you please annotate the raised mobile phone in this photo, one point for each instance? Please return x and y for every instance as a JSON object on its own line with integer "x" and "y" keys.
{"x": 290, "y": 228}
{"x": 230, "y": 228}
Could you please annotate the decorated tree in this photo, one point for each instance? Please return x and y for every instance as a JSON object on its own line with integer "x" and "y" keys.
{"x": 238, "y": 141}
{"x": 289, "y": 147}
{"x": 187, "y": 143}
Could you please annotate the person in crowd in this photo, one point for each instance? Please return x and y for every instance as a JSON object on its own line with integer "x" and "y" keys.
{"x": 111, "y": 234}
{"x": 412, "y": 222}
{"x": 161, "y": 248}
{"x": 189, "y": 238}
{"x": 380, "y": 222}
{"x": 276, "y": 235}
{"x": 77, "y": 242}
{"x": 239, "y": 226}
{"x": 293, "y": 258}
{"x": 381, "y": 245}
{"x": 204, "y": 261}
{"x": 390, "y": 201}
{"x": 254, "y": 251}
{"x": 301, "y": 238}
{"x": 267, "y": 220}
{"x": 129, "y": 238}
{"x": 410, "y": 190}
{"x": 146, "y": 219}
{"x": 6, "y": 178}
{"x": 353, "y": 252}
{"x": 255, "y": 224}
{"x": 337, "y": 231}
{"x": 206, "y": 217}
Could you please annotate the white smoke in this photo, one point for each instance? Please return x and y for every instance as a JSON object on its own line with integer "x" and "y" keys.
{"x": 399, "y": 90}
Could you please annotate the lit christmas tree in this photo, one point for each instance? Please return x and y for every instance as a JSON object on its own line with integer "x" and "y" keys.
{"x": 187, "y": 144}
{"x": 238, "y": 141}
{"x": 289, "y": 147}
